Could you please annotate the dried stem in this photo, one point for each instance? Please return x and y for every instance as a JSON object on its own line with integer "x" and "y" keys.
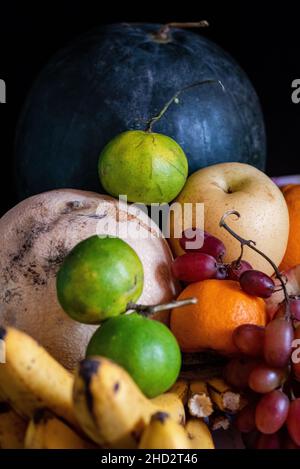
{"x": 251, "y": 244}
{"x": 150, "y": 310}
{"x": 156, "y": 118}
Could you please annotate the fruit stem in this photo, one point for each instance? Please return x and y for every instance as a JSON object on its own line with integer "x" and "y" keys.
{"x": 163, "y": 34}
{"x": 251, "y": 244}
{"x": 156, "y": 118}
{"x": 150, "y": 310}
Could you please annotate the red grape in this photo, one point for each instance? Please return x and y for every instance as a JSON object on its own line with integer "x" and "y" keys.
{"x": 295, "y": 307}
{"x": 236, "y": 269}
{"x": 271, "y": 441}
{"x": 257, "y": 283}
{"x": 279, "y": 335}
{"x": 237, "y": 371}
{"x": 264, "y": 379}
{"x": 293, "y": 421}
{"x": 196, "y": 240}
{"x": 193, "y": 267}
{"x": 271, "y": 412}
{"x": 245, "y": 419}
{"x": 296, "y": 354}
{"x": 249, "y": 339}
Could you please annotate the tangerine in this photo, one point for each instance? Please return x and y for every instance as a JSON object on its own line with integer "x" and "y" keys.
{"x": 291, "y": 257}
{"x": 222, "y": 306}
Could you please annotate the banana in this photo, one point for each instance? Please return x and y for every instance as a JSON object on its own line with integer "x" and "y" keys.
{"x": 199, "y": 402}
{"x": 31, "y": 379}
{"x": 171, "y": 404}
{"x": 110, "y": 407}
{"x": 163, "y": 432}
{"x": 199, "y": 434}
{"x": 180, "y": 389}
{"x": 12, "y": 428}
{"x": 224, "y": 397}
{"x": 45, "y": 431}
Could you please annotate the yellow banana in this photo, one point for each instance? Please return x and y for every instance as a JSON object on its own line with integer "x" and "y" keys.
{"x": 199, "y": 402}
{"x": 163, "y": 432}
{"x": 12, "y": 428}
{"x": 199, "y": 434}
{"x": 171, "y": 404}
{"x": 45, "y": 431}
{"x": 224, "y": 397}
{"x": 31, "y": 379}
{"x": 110, "y": 407}
{"x": 181, "y": 389}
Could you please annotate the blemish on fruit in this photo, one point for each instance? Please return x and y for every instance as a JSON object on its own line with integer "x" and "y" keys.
{"x": 160, "y": 416}
{"x": 116, "y": 387}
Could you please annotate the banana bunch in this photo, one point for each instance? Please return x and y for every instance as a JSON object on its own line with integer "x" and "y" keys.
{"x": 12, "y": 428}
{"x": 45, "y": 406}
{"x": 46, "y": 431}
{"x": 163, "y": 432}
{"x": 111, "y": 409}
{"x": 31, "y": 379}
{"x": 210, "y": 398}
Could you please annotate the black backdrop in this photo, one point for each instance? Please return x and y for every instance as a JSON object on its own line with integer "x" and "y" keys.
{"x": 264, "y": 39}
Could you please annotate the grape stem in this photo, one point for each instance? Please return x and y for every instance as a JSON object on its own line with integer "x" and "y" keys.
{"x": 252, "y": 245}
{"x": 156, "y": 118}
{"x": 150, "y": 310}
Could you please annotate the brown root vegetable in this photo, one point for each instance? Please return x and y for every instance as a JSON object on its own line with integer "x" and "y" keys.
{"x": 35, "y": 237}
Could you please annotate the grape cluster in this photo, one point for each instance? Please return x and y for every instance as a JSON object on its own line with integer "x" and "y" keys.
{"x": 268, "y": 376}
{"x": 264, "y": 369}
{"x": 206, "y": 262}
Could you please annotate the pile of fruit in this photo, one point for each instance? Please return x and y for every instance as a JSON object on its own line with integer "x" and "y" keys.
{"x": 108, "y": 341}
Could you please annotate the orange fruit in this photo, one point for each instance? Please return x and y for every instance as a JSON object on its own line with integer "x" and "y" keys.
{"x": 291, "y": 257}
{"x": 222, "y": 306}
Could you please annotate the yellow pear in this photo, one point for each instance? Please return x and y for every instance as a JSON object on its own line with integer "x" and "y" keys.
{"x": 241, "y": 187}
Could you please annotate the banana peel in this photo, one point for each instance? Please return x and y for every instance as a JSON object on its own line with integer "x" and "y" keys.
{"x": 110, "y": 407}
{"x": 199, "y": 434}
{"x": 31, "y": 379}
{"x": 225, "y": 398}
{"x": 46, "y": 431}
{"x": 199, "y": 403}
{"x": 12, "y": 428}
{"x": 163, "y": 432}
{"x": 181, "y": 389}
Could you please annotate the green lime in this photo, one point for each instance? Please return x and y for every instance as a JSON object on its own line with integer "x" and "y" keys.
{"x": 98, "y": 278}
{"x": 146, "y": 348}
{"x": 147, "y": 167}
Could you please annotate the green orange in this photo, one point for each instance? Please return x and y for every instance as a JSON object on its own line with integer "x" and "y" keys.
{"x": 147, "y": 167}
{"x": 98, "y": 278}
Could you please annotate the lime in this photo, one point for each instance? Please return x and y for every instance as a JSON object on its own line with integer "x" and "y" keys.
{"x": 145, "y": 348}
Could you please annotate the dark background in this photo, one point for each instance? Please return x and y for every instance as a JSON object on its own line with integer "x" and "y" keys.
{"x": 263, "y": 38}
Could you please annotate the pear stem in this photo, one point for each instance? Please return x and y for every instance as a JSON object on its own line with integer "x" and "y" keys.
{"x": 156, "y": 118}
{"x": 251, "y": 244}
{"x": 150, "y": 310}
